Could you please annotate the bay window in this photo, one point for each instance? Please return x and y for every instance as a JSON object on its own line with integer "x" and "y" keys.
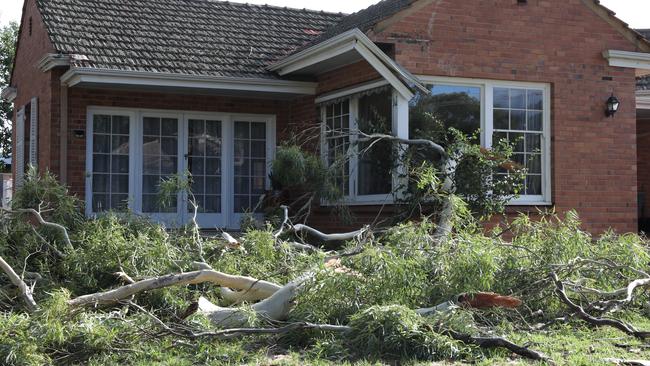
{"x": 363, "y": 170}
{"x": 487, "y": 111}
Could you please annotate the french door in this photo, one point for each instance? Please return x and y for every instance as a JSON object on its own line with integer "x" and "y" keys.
{"x": 131, "y": 152}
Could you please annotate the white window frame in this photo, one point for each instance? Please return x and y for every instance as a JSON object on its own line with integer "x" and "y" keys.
{"x": 399, "y": 128}
{"x": 487, "y": 125}
{"x": 231, "y": 219}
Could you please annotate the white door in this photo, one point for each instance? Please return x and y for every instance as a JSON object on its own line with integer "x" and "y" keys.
{"x": 204, "y": 160}
{"x": 161, "y": 150}
{"x": 251, "y": 154}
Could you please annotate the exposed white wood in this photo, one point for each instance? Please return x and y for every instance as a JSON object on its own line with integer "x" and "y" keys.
{"x": 9, "y": 94}
{"x": 52, "y": 60}
{"x": 643, "y": 99}
{"x": 76, "y": 76}
{"x": 349, "y": 91}
{"x": 627, "y": 59}
{"x": 384, "y": 71}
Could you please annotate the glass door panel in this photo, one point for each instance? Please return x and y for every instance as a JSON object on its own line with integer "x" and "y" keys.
{"x": 250, "y": 166}
{"x": 110, "y": 162}
{"x": 159, "y": 162}
{"x": 204, "y": 155}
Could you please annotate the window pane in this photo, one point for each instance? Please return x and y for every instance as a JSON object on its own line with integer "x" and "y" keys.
{"x": 169, "y": 127}
{"x": 242, "y": 130}
{"x": 101, "y": 182}
{"x": 169, "y": 146}
{"x": 258, "y": 149}
{"x": 212, "y": 185}
{"x": 526, "y": 114}
{"x": 517, "y": 99}
{"x": 212, "y": 204}
{"x": 534, "y": 121}
{"x": 101, "y": 123}
{"x": 213, "y": 166}
{"x": 102, "y": 144}
{"x": 120, "y": 125}
{"x": 517, "y": 120}
{"x": 501, "y": 98}
{"x": 120, "y": 145}
{"x": 455, "y": 106}
{"x": 196, "y": 127}
{"x": 258, "y": 131}
{"x": 375, "y": 160}
{"x": 535, "y": 99}
{"x": 151, "y": 126}
{"x": 501, "y": 119}
{"x": 101, "y": 163}
{"x": 110, "y": 177}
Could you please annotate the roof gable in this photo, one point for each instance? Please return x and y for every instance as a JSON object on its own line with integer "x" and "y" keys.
{"x": 200, "y": 37}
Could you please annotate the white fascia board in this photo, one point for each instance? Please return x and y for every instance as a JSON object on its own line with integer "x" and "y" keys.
{"x": 52, "y": 60}
{"x": 383, "y": 70}
{"x": 320, "y": 48}
{"x": 9, "y": 94}
{"x": 339, "y": 44}
{"x": 317, "y": 57}
{"x": 405, "y": 74}
{"x": 348, "y": 91}
{"x": 76, "y": 76}
{"x": 634, "y": 60}
{"x": 643, "y": 99}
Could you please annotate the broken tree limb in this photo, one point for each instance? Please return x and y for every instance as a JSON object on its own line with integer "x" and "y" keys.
{"x": 599, "y": 322}
{"x": 328, "y": 237}
{"x": 25, "y": 290}
{"x": 263, "y": 288}
{"x": 495, "y": 342}
{"x": 42, "y": 221}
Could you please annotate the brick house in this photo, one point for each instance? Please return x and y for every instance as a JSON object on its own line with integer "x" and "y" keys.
{"x": 113, "y": 96}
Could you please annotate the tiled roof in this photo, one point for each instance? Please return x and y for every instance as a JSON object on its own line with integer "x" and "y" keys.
{"x": 202, "y": 37}
{"x": 363, "y": 19}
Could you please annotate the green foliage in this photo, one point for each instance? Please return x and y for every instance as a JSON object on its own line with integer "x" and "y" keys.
{"x": 397, "y": 332}
{"x": 8, "y": 38}
{"x": 113, "y": 243}
{"x": 297, "y": 169}
{"x": 374, "y": 292}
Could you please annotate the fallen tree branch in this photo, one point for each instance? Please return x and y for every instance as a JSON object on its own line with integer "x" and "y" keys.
{"x": 495, "y": 342}
{"x": 599, "y": 322}
{"x": 263, "y": 288}
{"x": 42, "y": 221}
{"x": 25, "y": 290}
{"x": 328, "y": 237}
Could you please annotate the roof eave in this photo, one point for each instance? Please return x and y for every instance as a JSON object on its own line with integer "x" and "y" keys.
{"x": 9, "y": 94}
{"x": 52, "y": 60}
{"x": 81, "y": 75}
{"x": 640, "y": 61}
{"x": 356, "y": 40}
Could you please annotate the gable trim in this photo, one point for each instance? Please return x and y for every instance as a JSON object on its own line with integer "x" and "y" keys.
{"x": 52, "y": 60}
{"x": 623, "y": 28}
{"x": 78, "y": 75}
{"x": 634, "y": 60}
{"x": 9, "y": 94}
{"x": 356, "y": 40}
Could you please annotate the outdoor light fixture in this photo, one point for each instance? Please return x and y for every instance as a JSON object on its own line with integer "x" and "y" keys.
{"x": 612, "y": 106}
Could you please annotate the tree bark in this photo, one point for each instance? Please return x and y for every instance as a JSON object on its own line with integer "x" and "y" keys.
{"x": 25, "y": 291}
{"x": 252, "y": 285}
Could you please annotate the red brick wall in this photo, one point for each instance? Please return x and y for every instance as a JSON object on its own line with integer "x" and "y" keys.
{"x": 31, "y": 82}
{"x": 556, "y": 42}
{"x": 346, "y": 76}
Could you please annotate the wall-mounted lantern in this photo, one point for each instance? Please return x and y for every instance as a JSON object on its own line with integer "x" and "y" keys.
{"x": 612, "y": 106}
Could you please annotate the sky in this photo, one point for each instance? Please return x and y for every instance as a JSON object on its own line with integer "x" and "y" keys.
{"x": 634, "y": 12}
